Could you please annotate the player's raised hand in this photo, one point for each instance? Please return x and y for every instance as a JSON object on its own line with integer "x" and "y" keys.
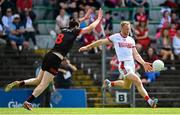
{"x": 147, "y": 67}
{"x": 100, "y": 14}
{"x": 84, "y": 48}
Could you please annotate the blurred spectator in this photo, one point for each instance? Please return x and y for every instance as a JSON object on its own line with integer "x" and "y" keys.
{"x": 8, "y": 4}
{"x": 108, "y": 26}
{"x": 51, "y": 4}
{"x": 75, "y": 16}
{"x": 80, "y": 4}
{"x": 72, "y": 7}
{"x": 165, "y": 43}
{"x": 174, "y": 18}
{"x": 7, "y": 20}
{"x": 140, "y": 15}
{"x": 114, "y": 3}
{"x": 81, "y": 15}
{"x": 29, "y": 29}
{"x": 151, "y": 57}
{"x": 62, "y": 4}
{"x": 117, "y": 4}
{"x": 2, "y": 36}
{"x": 92, "y": 15}
{"x": 1, "y": 2}
{"x": 137, "y": 3}
{"x": 24, "y": 4}
{"x": 172, "y": 30}
{"x": 93, "y": 3}
{"x": 15, "y": 36}
{"x": 176, "y": 43}
{"x": 62, "y": 20}
{"x": 114, "y": 68}
{"x": 165, "y": 46}
{"x": 141, "y": 32}
{"x": 169, "y": 3}
{"x": 166, "y": 19}
{"x": 88, "y": 39}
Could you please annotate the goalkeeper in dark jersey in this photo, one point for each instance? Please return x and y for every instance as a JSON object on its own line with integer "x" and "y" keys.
{"x": 55, "y": 57}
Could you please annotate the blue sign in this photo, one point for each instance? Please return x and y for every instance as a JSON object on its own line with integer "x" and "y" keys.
{"x": 60, "y": 98}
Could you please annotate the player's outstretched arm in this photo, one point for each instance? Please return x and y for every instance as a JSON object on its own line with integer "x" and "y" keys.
{"x": 95, "y": 44}
{"x": 94, "y": 24}
{"x": 147, "y": 66}
{"x": 87, "y": 15}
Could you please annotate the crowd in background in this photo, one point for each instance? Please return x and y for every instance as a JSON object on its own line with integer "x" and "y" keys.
{"x": 17, "y": 23}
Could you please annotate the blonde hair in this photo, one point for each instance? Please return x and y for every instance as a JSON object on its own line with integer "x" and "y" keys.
{"x": 125, "y": 23}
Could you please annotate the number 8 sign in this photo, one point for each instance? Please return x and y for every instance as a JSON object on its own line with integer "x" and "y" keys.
{"x": 121, "y": 97}
{"x": 59, "y": 38}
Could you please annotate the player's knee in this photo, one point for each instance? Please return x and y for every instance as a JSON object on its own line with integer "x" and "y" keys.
{"x": 37, "y": 81}
{"x": 137, "y": 82}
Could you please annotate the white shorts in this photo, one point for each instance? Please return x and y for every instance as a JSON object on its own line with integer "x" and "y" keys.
{"x": 126, "y": 67}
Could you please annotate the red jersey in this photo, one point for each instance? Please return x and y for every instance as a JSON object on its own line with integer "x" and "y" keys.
{"x": 22, "y": 4}
{"x": 172, "y": 33}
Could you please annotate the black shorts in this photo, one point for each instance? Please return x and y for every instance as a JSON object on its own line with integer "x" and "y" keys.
{"x": 51, "y": 63}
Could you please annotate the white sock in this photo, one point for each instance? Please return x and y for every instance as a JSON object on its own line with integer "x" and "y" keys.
{"x": 150, "y": 101}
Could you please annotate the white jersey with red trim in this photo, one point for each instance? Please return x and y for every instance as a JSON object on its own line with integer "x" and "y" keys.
{"x": 123, "y": 46}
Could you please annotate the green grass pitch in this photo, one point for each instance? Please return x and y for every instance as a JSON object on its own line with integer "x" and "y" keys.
{"x": 91, "y": 111}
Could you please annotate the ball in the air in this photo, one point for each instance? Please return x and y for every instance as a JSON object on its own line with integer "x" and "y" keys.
{"x": 158, "y": 65}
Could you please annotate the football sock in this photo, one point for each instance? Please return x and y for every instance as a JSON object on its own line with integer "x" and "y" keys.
{"x": 31, "y": 98}
{"x": 149, "y": 100}
{"x": 21, "y": 83}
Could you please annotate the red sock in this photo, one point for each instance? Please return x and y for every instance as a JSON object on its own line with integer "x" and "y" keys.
{"x": 146, "y": 98}
{"x": 112, "y": 84}
{"x": 31, "y": 98}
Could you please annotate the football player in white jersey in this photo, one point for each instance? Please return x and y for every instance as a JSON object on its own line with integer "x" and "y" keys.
{"x": 126, "y": 53}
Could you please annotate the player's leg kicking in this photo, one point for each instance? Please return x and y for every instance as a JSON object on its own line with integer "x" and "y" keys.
{"x": 46, "y": 80}
{"x": 42, "y": 82}
{"x": 50, "y": 65}
{"x": 126, "y": 84}
{"x": 31, "y": 81}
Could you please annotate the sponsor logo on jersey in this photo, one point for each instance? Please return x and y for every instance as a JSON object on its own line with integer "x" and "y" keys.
{"x": 125, "y": 45}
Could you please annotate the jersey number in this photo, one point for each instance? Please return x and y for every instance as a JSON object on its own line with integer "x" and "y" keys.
{"x": 59, "y": 38}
